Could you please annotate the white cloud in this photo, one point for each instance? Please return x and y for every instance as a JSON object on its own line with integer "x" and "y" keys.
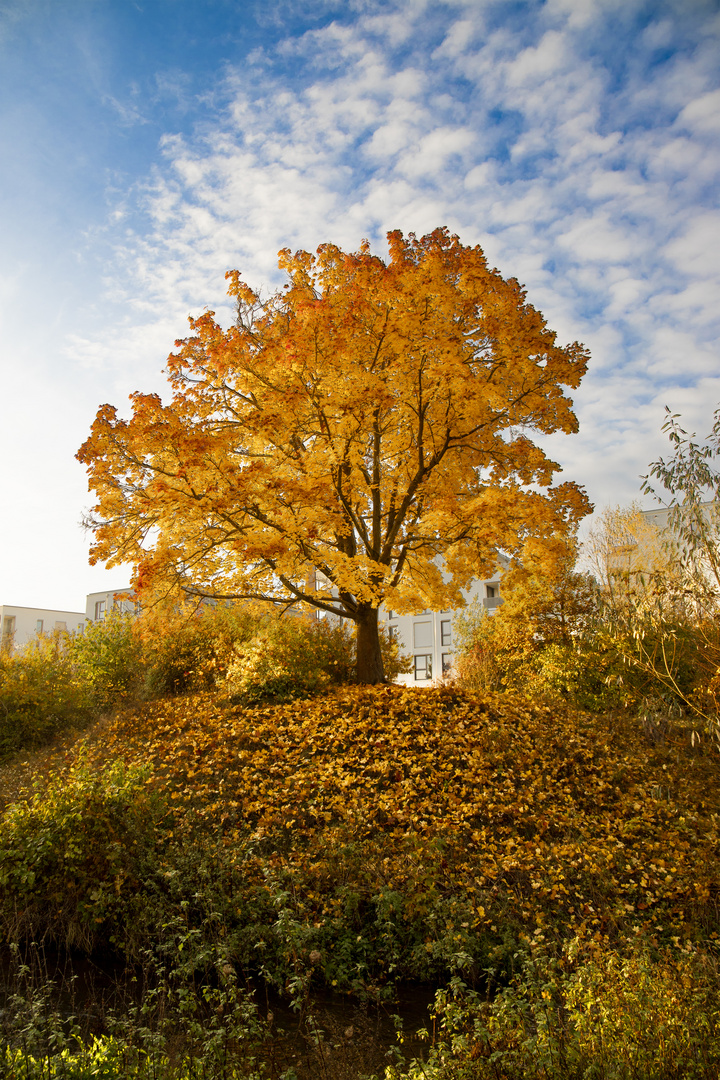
{"x": 457, "y": 40}
{"x": 579, "y": 14}
{"x": 536, "y": 63}
{"x": 129, "y": 113}
{"x": 591, "y": 186}
{"x": 596, "y": 239}
{"x": 697, "y": 251}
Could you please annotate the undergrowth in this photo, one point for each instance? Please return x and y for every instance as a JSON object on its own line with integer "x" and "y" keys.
{"x": 639, "y": 1016}
{"x": 356, "y": 840}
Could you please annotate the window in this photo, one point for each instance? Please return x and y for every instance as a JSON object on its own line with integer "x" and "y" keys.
{"x": 99, "y": 610}
{"x": 446, "y": 663}
{"x": 391, "y": 614}
{"x": 60, "y": 625}
{"x": 393, "y": 632}
{"x": 423, "y": 668}
{"x": 422, "y": 634}
{"x": 39, "y": 626}
{"x": 491, "y": 591}
{"x": 8, "y": 632}
{"x": 445, "y": 632}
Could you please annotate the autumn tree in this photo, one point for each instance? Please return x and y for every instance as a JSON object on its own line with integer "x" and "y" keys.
{"x": 547, "y": 600}
{"x": 359, "y": 436}
{"x": 632, "y": 559}
{"x": 548, "y": 608}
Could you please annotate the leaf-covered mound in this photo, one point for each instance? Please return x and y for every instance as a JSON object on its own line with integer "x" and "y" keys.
{"x": 388, "y": 831}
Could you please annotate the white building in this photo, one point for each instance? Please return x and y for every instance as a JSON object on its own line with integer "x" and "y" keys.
{"x": 22, "y": 624}
{"x": 428, "y": 637}
{"x": 98, "y": 604}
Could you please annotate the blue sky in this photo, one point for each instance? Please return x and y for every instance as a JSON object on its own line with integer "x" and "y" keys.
{"x": 147, "y": 147}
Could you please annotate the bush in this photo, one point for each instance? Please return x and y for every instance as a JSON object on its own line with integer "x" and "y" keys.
{"x": 289, "y": 657}
{"x": 41, "y": 692}
{"x": 193, "y": 650}
{"x": 478, "y": 665}
{"x": 655, "y": 1018}
{"x": 107, "y": 658}
{"x": 293, "y": 656}
{"x": 74, "y": 858}
{"x": 103, "y": 1058}
{"x": 541, "y": 641}
{"x": 59, "y": 680}
{"x": 589, "y": 670}
{"x": 184, "y": 1021}
{"x": 395, "y": 662}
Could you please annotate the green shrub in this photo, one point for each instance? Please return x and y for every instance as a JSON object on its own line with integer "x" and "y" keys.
{"x": 103, "y": 1058}
{"x": 108, "y": 659}
{"x": 75, "y": 858}
{"x": 591, "y": 670}
{"x": 478, "y": 665}
{"x": 395, "y": 662}
{"x": 187, "y": 1018}
{"x": 60, "y": 679}
{"x": 41, "y": 692}
{"x": 611, "y": 1018}
{"x": 291, "y": 656}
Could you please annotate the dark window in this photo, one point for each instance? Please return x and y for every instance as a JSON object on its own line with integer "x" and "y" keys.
{"x": 423, "y": 667}
{"x": 445, "y": 632}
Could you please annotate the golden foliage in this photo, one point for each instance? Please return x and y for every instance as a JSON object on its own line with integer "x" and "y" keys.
{"x": 631, "y": 556}
{"x": 529, "y": 644}
{"x": 341, "y": 437}
{"x": 517, "y": 814}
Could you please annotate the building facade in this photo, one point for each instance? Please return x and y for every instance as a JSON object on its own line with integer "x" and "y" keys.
{"x": 22, "y": 624}
{"x": 427, "y": 638}
{"x": 98, "y": 604}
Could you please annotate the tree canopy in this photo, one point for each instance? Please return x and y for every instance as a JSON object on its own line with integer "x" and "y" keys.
{"x": 359, "y": 436}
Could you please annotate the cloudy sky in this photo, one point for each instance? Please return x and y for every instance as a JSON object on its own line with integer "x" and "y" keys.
{"x": 147, "y": 146}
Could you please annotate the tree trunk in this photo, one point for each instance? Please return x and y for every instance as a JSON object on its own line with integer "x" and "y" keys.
{"x": 369, "y": 657}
